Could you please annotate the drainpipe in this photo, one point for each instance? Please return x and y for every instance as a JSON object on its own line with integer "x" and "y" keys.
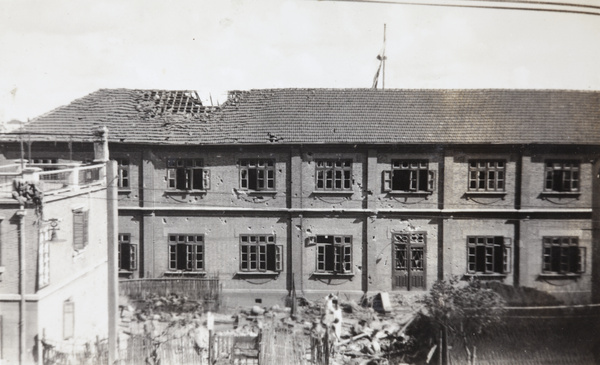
{"x": 22, "y": 344}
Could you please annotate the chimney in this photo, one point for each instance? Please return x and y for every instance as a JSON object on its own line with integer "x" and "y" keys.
{"x": 101, "y": 147}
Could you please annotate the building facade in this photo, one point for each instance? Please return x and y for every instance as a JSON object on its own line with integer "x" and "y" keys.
{"x": 53, "y": 260}
{"x": 350, "y": 190}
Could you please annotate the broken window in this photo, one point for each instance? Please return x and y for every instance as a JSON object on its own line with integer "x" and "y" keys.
{"x": 333, "y": 175}
{"x": 123, "y": 173}
{"x": 409, "y": 176}
{"x": 257, "y": 174}
{"x": 127, "y": 253}
{"x": 334, "y": 254}
{"x": 259, "y": 253}
{"x": 488, "y": 255}
{"x": 562, "y": 176}
{"x": 563, "y": 255}
{"x": 187, "y": 174}
{"x": 80, "y": 229}
{"x": 186, "y": 252}
{"x": 486, "y": 175}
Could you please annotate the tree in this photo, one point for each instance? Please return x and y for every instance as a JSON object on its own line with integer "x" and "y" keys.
{"x": 462, "y": 310}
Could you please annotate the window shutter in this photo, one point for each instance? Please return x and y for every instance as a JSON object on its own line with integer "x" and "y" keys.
{"x": 278, "y": 257}
{"x": 132, "y": 257}
{"x": 431, "y": 180}
{"x": 205, "y": 179}
{"x": 507, "y": 260}
{"x": 347, "y": 259}
{"x": 582, "y": 252}
{"x": 80, "y": 229}
{"x": 387, "y": 180}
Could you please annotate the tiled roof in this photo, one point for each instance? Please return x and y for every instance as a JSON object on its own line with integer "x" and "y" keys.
{"x": 306, "y": 116}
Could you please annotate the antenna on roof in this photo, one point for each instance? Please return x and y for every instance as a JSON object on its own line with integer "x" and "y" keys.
{"x": 381, "y": 57}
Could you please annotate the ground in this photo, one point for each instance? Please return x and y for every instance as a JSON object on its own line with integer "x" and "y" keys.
{"x": 369, "y": 335}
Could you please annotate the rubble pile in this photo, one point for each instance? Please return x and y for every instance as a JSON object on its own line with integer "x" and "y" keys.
{"x": 373, "y": 331}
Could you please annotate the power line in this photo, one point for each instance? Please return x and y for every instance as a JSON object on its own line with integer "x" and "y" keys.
{"x": 537, "y": 5}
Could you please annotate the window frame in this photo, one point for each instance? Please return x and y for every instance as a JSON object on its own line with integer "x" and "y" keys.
{"x": 261, "y": 166}
{"x": 565, "y": 246}
{"x": 190, "y": 168}
{"x": 333, "y": 168}
{"x": 341, "y": 249}
{"x": 44, "y": 258}
{"x": 68, "y": 319}
{"x": 124, "y": 239}
{"x": 259, "y": 245}
{"x": 492, "y": 246}
{"x": 415, "y": 182}
{"x": 123, "y": 173}
{"x": 557, "y": 169}
{"x": 191, "y": 256}
{"x": 476, "y": 169}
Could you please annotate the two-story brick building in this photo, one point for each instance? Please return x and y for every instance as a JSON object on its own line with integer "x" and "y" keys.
{"x": 347, "y": 190}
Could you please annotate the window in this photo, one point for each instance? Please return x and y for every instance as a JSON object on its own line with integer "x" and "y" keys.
{"x": 123, "y": 173}
{"x": 562, "y": 255}
{"x": 334, "y": 254}
{"x": 186, "y": 252}
{"x": 68, "y": 319}
{"x": 46, "y": 164}
{"x": 488, "y": 255}
{"x": 333, "y": 175}
{"x": 257, "y": 174}
{"x": 127, "y": 253}
{"x": 187, "y": 174}
{"x": 486, "y": 175}
{"x": 44, "y": 259}
{"x": 562, "y": 176}
{"x": 259, "y": 253}
{"x": 80, "y": 229}
{"x": 409, "y": 176}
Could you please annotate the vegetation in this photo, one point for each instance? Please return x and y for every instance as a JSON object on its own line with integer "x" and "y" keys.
{"x": 462, "y": 310}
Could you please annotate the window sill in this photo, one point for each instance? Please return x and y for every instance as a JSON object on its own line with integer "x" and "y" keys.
{"x": 259, "y": 192}
{"x": 191, "y": 192}
{"x": 332, "y": 275}
{"x": 124, "y": 191}
{"x": 184, "y": 273}
{"x": 560, "y": 194}
{"x": 261, "y": 274}
{"x": 486, "y": 193}
{"x": 559, "y": 276}
{"x": 125, "y": 274}
{"x": 410, "y": 193}
{"x": 483, "y": 276}
{"x": 333, "y": 192}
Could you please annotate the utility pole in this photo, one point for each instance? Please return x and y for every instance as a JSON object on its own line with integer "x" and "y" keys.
{"x": 383, "y": 60}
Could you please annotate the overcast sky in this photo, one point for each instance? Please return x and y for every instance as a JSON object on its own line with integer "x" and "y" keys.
{"x": 52, "y": 52}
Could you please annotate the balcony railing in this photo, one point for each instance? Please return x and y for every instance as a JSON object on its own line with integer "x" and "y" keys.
{"x": 57, "y": 179}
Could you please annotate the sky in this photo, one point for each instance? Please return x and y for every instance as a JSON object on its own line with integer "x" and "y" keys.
{"x": 55, "y": 51}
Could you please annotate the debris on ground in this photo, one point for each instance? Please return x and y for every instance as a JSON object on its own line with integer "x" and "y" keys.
{"x": 368, "y": 331}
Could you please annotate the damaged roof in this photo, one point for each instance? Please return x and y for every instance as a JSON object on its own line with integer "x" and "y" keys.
{"x": 325, "y": 116}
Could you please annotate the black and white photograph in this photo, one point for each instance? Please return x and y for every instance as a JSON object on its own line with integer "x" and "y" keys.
{"x": 300, "y": 182}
